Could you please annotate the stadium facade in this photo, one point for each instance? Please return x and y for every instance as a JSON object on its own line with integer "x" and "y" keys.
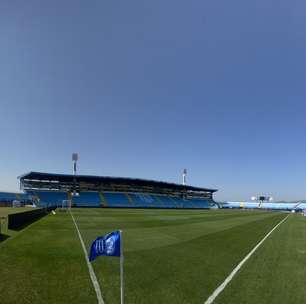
{"x": 281, "y": 206}
{"x": 7, "y": 198}
{"x": 103, "y": 191}
{"x": 48, "y": 189}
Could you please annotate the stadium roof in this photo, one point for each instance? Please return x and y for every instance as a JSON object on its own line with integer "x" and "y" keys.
{"x": 108, "y": 180}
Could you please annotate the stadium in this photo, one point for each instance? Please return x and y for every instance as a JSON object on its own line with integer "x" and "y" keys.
{"x": 51, "y": 190}
{"x": 180, "y": 245}
{"x": 142, "y": 90}
{"x": 100, "y": 191}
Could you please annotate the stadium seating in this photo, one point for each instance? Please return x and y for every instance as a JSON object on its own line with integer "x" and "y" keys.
{"x": 136, "y": 200}
{"x": 120, "y": 199}
{"x": 7, "y": 196}
{"x": 86, "y": 199}
{"x": 278, "y": 206}
{"x": 301, "y": 206}
{"x": 49, "y": 198}
{"x": 200, "y": 203}
{"x": 269, "y": 206}
{"x": 117, "y": 199}
{"x": 10, "y": 197}
{"x": 143, "y": 200}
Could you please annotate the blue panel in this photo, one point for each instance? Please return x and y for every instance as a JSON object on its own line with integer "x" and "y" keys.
{"x": 269, "y": 206}
{"x": 116, "y": 199}
{"x": 7, "y": 196}
{"x": 10, "y": 197}
{"x": 301, "y": 206}
{"x": 198, "y": 203}
{"x": 143, "y": 200}
{"x": 86, "y": 199}
{"x": 51, "y": 198}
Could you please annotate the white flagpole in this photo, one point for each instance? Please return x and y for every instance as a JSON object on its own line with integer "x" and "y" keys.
{"x": 121, "y": 269}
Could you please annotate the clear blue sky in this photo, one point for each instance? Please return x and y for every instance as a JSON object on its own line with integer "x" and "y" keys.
{"x": 147, "y": 88}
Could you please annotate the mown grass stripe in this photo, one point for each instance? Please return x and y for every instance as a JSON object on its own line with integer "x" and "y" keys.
{"x": 92, "y": 274}
{"x": 221, "y": 287}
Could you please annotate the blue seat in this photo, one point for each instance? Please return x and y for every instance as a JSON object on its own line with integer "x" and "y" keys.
{"x": 120, "y": 199}
{"x": 7, "y": 196}
{"x": 50, "y": 198}
{"x": 116, "y": 199}
{"x": 86, "y": 199}
{"x": 142, "y": 200}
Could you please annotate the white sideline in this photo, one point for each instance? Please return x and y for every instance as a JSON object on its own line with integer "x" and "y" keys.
{"x": 92, "y": 274}
{"x": 236, "y": 269}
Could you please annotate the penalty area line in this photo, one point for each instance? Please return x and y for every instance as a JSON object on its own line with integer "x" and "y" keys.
{"x": 236, "y": 269}
{"x": 92, "y": 274}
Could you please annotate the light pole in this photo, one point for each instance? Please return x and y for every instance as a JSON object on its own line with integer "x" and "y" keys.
{"x": 75, "y": 158}
{"x": 261, "y": 199}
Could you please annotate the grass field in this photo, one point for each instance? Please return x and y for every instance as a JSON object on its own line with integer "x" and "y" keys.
{"x": 171, "y": 256}
{"x": 4, "y": 212}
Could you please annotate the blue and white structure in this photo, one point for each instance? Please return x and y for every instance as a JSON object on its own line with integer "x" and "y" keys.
{"x": 281, "y": 206}
{"x": 115, "y": 192}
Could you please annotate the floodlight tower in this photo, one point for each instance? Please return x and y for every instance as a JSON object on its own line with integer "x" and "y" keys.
{"x": 75, "y": 158}
{"x": 184, "y": 176}
{"x": 261, "y": 199}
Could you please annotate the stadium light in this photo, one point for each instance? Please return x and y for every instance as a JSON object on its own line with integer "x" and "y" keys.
{"x": 184, "y": 176}
{"x": 75, "y": 158}
{"x": 262, "y": 198}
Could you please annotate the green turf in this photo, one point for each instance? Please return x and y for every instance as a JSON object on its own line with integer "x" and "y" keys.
{"x": 4, "y": 211}
{"x": 277, "y": 272}
{"x": 171, "y": 256}
{"x": 44, "y": 263}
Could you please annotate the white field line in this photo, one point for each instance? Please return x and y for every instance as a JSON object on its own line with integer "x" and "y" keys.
{"x": 236, "y": 269}
{"x": 92, "y": 274}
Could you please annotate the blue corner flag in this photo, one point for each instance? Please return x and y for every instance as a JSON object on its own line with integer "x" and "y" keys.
{"x": 108, "y": 245}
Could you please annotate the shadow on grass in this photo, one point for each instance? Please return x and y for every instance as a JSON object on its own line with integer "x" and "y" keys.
{"x": 18, "y": 226}
{"x": 3, "y": 237}
{"x": 21, "y": 220}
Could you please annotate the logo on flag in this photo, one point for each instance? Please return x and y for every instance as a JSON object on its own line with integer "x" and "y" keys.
{"x": 108, "y": 245}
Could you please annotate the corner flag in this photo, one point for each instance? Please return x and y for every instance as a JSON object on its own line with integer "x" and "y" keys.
{"x": 108, "y": 245}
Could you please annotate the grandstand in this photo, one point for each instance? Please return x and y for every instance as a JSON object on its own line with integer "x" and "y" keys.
{"x": 49, "y": 189}
{"x": 7, "y": 198}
